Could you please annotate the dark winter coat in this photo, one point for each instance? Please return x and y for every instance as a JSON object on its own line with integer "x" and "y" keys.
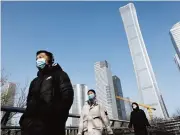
{"x": 139, "y": 121}
{"x": 48, "y": 103}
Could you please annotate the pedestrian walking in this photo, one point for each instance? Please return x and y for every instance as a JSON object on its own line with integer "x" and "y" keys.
{"x": 94, "y": 117}
{"x": 138, "y": 120}
{"x": 49, "y": 99}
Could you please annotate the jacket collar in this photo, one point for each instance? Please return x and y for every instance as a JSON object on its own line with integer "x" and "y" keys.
{"x": 95, "y": 102}
{"x": 49, "y": 69}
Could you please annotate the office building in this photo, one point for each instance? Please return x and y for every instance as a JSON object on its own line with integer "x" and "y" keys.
{"x": 80, "y": 97}
{"x": 120, "y": 103}
{"x": 104, "y": 88}
{"x": 164, "y": 105}
{"x": 128, "y": 108}
{"x": 146, "y": 81}
{"x": 175, "y": 37}
{"x": 177, "y": 61}
{"x": 8, "y": 93}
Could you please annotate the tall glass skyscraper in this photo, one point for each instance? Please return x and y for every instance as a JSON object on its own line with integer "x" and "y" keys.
{"x": 80, "y": 97}
{"x": 177, "y": 61}
{"x": 145, "y": 77}
{"x": 175, "y": 37}
{"x": 120, "y": 103}
{"x": 105, "y": 88}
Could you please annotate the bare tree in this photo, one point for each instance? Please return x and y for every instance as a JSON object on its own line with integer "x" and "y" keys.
{"x": 176, "y": 114}
{"x": 156, "y": 120}
{"x": 15, "y": 96}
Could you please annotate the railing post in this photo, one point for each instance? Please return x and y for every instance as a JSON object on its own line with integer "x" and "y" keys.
{"x": 112, "y": 125}
{"x": 5, "y": 118}
{"x": 122, "y": 124}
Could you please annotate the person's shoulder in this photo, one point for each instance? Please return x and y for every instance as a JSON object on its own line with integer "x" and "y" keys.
{"x": 32, "y": 83}
{"x": 60, "y": 74}
{"x": 100, "y": 104}
{"x": 34, "y": 80}
{"x": 142, "y": 111}
{"x": 132, "y": 112}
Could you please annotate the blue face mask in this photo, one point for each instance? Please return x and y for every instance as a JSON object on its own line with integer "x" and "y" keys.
{"x": 41, "y": 63}
{"x": 91, "y": 96}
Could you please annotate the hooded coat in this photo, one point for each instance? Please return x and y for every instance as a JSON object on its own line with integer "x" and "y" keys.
{"x": 139, "y": 121}
{"x": 48, "y": 103}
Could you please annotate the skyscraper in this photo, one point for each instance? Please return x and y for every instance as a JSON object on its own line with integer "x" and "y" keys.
{"x": 164, "y": 105}
{"x": 128, "y": 109}
{"x": 145, "y": 77}
{"x": 177, "y": 61}
{"x": 80, "y": 97}
{"x": 105, "y": 88}
{"x": 120, "y": 103}
{"x": 8, "y": 93}
{"x": 175, "y": 37}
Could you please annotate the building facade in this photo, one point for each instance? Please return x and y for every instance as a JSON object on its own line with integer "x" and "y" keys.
{"x": 164, "y": 105}
{"x": 8, "y": 91}
{"x": 104, "y": 88}
{"x": 175, "y": 37}
{"x": 128, "y": 108}
{"x": 145, "y": 77}
{"x": 177, "y": 61}
{"x": 120, "y": 103}
{"x": 80, "y": 97}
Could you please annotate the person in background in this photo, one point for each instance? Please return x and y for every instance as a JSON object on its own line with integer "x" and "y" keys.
{"x": 49, "y": 99}
{"x": 138, "y": 120}
{"x": 94, "y": 117}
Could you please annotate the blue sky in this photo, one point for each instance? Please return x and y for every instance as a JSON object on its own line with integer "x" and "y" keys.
{"x": 81, "y": 33}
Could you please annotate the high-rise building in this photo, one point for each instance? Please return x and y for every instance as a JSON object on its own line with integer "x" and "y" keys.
{"x": 175, "y": 37}
{"x": 8, "y": 92}
{"x": 164, "y": 105}
{"x": 80, "y": 97}
{"x": 105, "y": 88}
{"x": 177, "y": 61}
{"x": 120, "y": 103}
{"x": 128, "y": 109}
{"x": 145, "y": 77}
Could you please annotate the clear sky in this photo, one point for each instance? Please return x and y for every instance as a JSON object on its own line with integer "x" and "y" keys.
{"x": 82, "y": 33}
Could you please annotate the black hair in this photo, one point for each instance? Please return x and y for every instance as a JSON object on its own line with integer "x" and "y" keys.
{"x": 91, "y": 91}
{"x": 134, "y": 103}
{"x": 49, "y": 54}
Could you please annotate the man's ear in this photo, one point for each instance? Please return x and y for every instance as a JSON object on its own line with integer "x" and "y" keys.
{"x": 48, "y": 61}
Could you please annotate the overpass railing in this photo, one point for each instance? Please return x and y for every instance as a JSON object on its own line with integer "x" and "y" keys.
{"x": 120, "y": 127}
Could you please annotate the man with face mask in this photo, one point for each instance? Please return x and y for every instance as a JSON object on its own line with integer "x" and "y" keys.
{"x": 94, "y": 117}
{"x": 138, "y": 120}
{"x": 49, "y": 99}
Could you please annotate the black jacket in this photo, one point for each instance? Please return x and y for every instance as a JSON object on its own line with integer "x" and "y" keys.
{"x": 138, "y": 119}
{"x": 49, "y": 100}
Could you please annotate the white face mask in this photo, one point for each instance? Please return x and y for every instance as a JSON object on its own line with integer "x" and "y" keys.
{"x": 41, "y": 63}
{"x": 134, "y": 106}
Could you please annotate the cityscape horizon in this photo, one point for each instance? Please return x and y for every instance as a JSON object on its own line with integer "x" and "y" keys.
{"x": 81, "y": 71}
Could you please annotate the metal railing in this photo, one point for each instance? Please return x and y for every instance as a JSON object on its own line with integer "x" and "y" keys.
{"x": 120, "y": 127}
